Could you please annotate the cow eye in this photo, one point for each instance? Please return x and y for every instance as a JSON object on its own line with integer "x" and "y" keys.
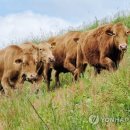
{"x": 18, "y": 61}
{"x": 42, "y": 49}
{"x": 110, "y": 33}
{"x": 127, "y": 33}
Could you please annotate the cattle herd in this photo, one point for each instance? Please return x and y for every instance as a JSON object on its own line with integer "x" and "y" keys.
{"x": 101, "y": 48}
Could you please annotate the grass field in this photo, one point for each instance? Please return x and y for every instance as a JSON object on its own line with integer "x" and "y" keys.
{"x": 93, "y": 103}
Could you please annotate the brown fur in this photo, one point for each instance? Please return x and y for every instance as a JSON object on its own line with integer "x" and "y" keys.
{"x": 65, "y": 53}
{"x": 15, "y": 67}
{"x": 42, "y": 54}
{"x": 30, "y": 47}
{"x": 100, "y": 47}
{"x": 46, "y": 59}
{"x": 45, "y": 52}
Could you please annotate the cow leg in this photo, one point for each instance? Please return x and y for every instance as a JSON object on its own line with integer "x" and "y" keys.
{"x": 45, "y": 71}
{"x": 48, "y": 67}
{"x": 83, "y": 69}
{"x": 80, "y": 67}
{"x": 48, "y": 75}
{"x": 57, "y": 84}
{"x": 68, "y": 65}
{"x": 79, "y": 70}
{"x": 97, "y": 70}
{"x": 1, "y": 89}
{"x": 6, "y": 86}
{"x": 108, "y": 63}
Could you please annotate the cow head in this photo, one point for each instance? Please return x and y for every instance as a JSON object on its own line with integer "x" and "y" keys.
{"x": 120, "y": 33}
{"x": 28, "y": 67}
{"x": 31, "y": 48}
{"x": 45, "y": 53}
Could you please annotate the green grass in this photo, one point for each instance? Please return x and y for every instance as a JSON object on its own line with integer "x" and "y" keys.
{"x": 70, "y": 106}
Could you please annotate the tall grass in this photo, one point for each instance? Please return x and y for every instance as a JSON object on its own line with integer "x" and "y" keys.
{"x": 71, "y": 106}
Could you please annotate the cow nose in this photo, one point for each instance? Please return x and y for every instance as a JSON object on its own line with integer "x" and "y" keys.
{"x": 51, "y": 59}
{"x": 123, "y": 47}
{"x": 24, "y": 76}
{"x": 33, "y": 77}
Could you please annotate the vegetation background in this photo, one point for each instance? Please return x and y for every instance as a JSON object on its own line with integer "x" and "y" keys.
{"x": 71, "y": 106}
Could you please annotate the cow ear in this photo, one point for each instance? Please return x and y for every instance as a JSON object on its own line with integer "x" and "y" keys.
{"x": 110, "y": 32}
{"x": 76, "y": 39}
{"x": 53, "y": 44}
{"x": 18, "y": 61}
{"x": 128, "y": 32}
{"x": 35, "y": 47}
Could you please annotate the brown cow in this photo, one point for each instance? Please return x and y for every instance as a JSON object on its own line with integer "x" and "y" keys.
{"x": 103, "y": 47}
{"x": 16, "y": 66}
{"x": 45, "y": 52}
{"x": 46, "y": 58}
{"x": 42, "y": 52}
{"x": 65, "y": 53}
{"x": 43, "y": 57}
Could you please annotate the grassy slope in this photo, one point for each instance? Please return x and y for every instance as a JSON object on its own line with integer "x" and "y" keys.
{"x": 69, "y": 107}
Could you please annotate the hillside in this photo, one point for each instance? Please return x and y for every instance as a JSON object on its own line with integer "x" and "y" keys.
{"x": 93, "y": 103}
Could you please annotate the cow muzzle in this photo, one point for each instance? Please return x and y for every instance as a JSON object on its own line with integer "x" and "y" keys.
{"x": 123, "y": 47}
{"x": 51, "y": 59}
{"x": 31, "y": 78}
